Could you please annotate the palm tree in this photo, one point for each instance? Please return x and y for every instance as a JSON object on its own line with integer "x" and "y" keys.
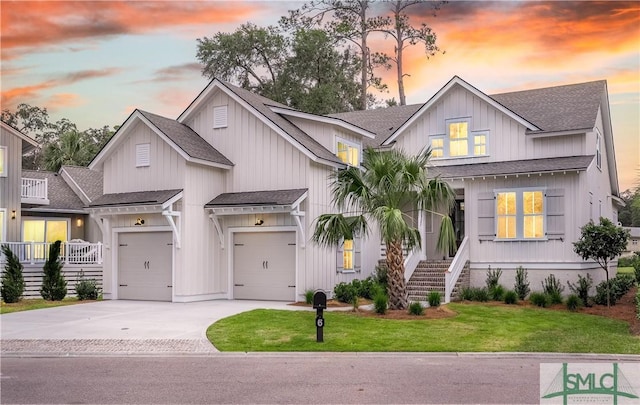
{"x": 71, "y": 148}
{"x": 387, "y": 182}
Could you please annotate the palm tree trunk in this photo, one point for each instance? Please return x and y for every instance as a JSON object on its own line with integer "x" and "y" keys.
{"x": 397, "y": 288}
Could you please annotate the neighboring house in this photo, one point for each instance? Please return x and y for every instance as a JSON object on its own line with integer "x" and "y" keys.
{"x": 633, "y": 244}
{"x": 221, "y": 202}
{"x": 39, "y": 207}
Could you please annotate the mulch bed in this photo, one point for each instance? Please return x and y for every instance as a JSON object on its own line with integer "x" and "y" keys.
{"x": 624, "y": 310}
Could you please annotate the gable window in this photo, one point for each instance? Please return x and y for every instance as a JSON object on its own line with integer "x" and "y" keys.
{"x": 437, "y": 147}
{"x": 3, "y": 161}
{"x": 598, "y": 150}
{"x": 459, "y": 141}
{"x": 143, "y": 151}
{"x": 220, "y": 117}
{"x": 520, "y": 214}
{"x": 348, "y": 258}
{"x": 348, "y": 152}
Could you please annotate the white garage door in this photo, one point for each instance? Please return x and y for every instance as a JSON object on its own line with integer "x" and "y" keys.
{"x": 144, "y": 266}
{"x": 264, "y": 266}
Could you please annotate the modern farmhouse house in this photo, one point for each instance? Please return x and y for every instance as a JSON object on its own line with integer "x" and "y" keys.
{"x": 221, "y": 202}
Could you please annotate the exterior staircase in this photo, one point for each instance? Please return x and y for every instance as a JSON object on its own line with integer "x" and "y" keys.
{"x": 430, "y": 276}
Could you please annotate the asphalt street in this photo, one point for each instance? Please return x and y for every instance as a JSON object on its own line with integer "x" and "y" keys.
{"x": 330, "y": 378}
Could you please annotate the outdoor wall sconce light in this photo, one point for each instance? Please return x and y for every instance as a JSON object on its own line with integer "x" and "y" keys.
{"x": 139, "y": 221}
{"x": 13, "y": 214}
{"x": 259, "y": 222}
{"x": 462, "y": 206}
{"x": 79, "y": 222}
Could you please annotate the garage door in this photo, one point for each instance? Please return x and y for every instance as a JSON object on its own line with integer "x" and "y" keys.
{"x": 264, "y": 266}
{"x": 144, "y": 266}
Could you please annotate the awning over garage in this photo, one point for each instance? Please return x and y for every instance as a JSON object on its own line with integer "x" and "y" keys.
{"x": 257, "y": 202}
{"x": 158, "y": 201}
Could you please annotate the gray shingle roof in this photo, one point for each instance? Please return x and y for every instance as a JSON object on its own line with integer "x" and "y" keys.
{"x": 135, "y": 198}
{"x": 262, "y": 105}
{"x": 266, "y": 197}
{"x": 61, "y": 197}
{"x": 546, "y": 165}
{"x": 89, "y": 181}
{"x": 560, "y": 108}
{"x": 187, "y": 139}
{"x": 381, "y": 121}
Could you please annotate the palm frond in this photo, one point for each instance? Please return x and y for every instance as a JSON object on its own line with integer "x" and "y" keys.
{"x": 446, "y": 237}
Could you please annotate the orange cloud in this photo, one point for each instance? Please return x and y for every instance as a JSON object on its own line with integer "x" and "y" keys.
{"x": 63, "y": 100}
{"x": 38, "y": 23}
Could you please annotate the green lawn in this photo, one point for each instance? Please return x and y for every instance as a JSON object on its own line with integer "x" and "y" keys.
{"x": 476, "y": 328}
{"x": 625, "y": 270}
{"x": 29, "y": 304}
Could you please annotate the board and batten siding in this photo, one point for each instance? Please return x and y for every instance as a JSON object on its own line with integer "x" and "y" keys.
{"x": 325, "y": 134}
{"x": 563, "y": 199}
{"x": 11, "y": 185}
{"x": 165, "y": 171}
{"x": 196, "y": 262}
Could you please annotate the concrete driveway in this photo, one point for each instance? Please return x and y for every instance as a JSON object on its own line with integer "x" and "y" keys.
{"x": 120, "y": 326}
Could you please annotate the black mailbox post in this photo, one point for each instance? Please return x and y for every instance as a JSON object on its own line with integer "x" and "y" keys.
{"x": 319, "y": 304}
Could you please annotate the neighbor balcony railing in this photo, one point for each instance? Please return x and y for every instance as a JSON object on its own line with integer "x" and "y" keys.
{"x": 70, "y": 252}
{"x": 34, "y": 191}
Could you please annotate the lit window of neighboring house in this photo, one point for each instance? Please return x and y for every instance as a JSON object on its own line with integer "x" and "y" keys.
{"x": 3, "y": 226}
{"x": 348, "y": 152}
{"x": 520, "y": 214}
{"x": 459, "y": 141}
{"x": 3, "y": 161}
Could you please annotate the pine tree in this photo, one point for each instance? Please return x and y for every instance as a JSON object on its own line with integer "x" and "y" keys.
{"x": 12, "y": 279}
{"x": 54, "y": 286}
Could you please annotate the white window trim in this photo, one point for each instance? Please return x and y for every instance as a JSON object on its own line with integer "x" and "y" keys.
{"x": 3, "y": 223}
{"x": 357, "y": 250}
{"x": 598, "y": 150}
{"x": 444, "y": 142}
{"x": 4, "y": 154}
{"x": 220, "y": 116}
{"x": 350, "y": 144}
{"x": 446, "y": 152}
{"x": 520, "y": 214}
{"x": 143, "y": 150}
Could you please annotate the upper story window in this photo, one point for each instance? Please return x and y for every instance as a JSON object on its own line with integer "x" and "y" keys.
{"x": 598, "y": 150}
{"x": 459, "y": 141}
{"x": 3, "y": 161}
{"x": 520, "y": 214}
{"x": 143, "y": 152}
{"x": 220, "y": 117}
{"x": 348, "y": 152}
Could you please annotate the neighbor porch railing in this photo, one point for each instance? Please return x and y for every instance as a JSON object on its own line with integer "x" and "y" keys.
{"x": 34, "y": 190}
{"x": 70, "y": 252}
{"x": 455, "y": 269}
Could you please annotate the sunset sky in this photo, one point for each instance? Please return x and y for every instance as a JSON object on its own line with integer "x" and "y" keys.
{"x": 94, "y": 62}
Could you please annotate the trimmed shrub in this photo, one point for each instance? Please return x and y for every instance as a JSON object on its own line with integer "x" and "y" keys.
{"x": 555, "y": 297}
{"x": 539, "y": 299}
{"x": 380, "y": 276}
{"x": 481, "y": 294}
{"x": 415, "y": 308}
{"x": 434, "y": 298}
{"x": 574, "y": 302}
{"x": 54, "y": 286}
{"x": 601, "y": 293}
{"x": 466, "y": 294}
{"x": 623, "y": 283}
{"x": 510, "y": 297}
{"x": 87, "y": 289}
{"x": 552, "y": 286}
{"x": 619, "y": 286}
{"x": 367, "y": 288}
{"x": 344, "y": 292}
{"x": 380, "y": 303}
{"x": 496, "y": 293}
{"x": 638, "y": 304}
{"x": 521, "y": 286}
{"x": 308, "y": 297}
{"x": 636, "y": 270}
{"x": 493, "y": 278}
{"x": 12, "y": 280}
{"x": 581, "y": 288}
